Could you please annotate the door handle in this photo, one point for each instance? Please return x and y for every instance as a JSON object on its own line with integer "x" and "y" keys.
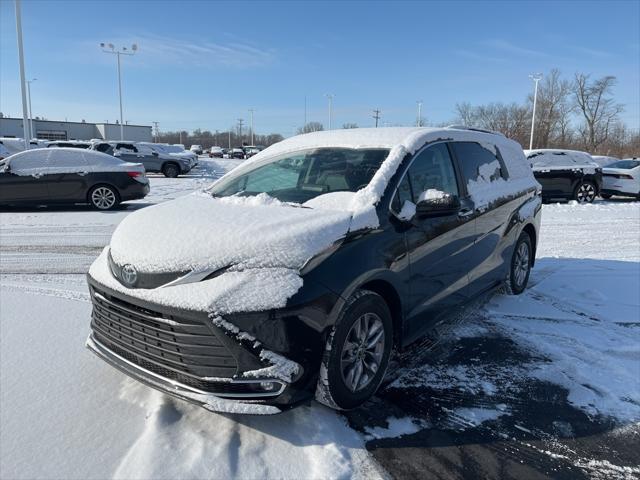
{"x": 465, "y": 212}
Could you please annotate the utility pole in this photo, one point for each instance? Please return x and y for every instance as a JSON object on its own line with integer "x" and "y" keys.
{"x": 240, "y": 122}
{"x": 181, "y": 138}
{"x": 110, "y": 48}
{"x": 376, "y": 115}
{"x": 229, "y": 140}
{"x": 251, "y": 124}
{"x": 419, "y": 118}
{"x": 305, "y": 112}
{"x": 156, "y": 134}
{"x": 536, "y": 78}
{"x": 25, "y": 124}
{"x": 330, "y": 97}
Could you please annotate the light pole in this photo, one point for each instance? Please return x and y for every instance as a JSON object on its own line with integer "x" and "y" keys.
{"x": 330, "y": 97}
{"x": 536, "y": 77}
{"x": 109, "y": 48}
{"x": 30, "y": 111}
{"x": 25, "y": 123}
{"x": 251, "y": 124}
{"x": 419, "y": 117}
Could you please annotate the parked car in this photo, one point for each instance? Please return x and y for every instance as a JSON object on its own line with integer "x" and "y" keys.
{"x": 50, "y": 176}
{"x": 216, "y": 152}
{"x": 164, "y": 148}
{"x": 68, "y": 144}
{"x": 197, "y": 149}
{"x": 566, "y": 174}
{"x": 621, "y": 178}
{"x": 15, "y": 145}
{"x": 603, "y": 160}
{"x": 4, "y": 152}
{"x": 237, "y": 153}
{"x": 304, "y": 268}
{"x": 250, "y": 151}
{"x": 170, "y": 166}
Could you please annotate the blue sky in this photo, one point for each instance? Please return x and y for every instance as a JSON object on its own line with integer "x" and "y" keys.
{"x": 204, "y": 64}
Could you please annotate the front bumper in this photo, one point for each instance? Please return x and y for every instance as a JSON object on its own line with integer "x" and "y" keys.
{"x": 187, "y": 355}
{"x": 201, "y": 398}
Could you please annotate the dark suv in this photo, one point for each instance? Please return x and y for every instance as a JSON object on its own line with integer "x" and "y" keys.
{"x": 300, "y": 271}
{"x": 153, "y": 161}
{"x": 566, "y": 174}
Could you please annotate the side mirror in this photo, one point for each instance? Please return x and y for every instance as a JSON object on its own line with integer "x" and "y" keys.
{"x": 438, "y": 204}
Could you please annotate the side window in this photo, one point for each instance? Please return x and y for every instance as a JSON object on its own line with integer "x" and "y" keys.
{"x": 126, "y": 148}
{"x": 104, "y": 148}
{"x": 402, "y": 193}
{"x": 432, "y": 169}
{"x": 62, "y": 161}
{"x": 479, "y": 164}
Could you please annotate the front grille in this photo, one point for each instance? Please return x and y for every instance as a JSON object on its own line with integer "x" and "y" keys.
{"x": 175, "y": 348}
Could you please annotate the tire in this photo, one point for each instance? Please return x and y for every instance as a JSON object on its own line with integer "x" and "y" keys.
{"x": 606, "y": 196}
{"x": 170, "y": 170}
{"x": 104, "y": 197}
{"x": 520, "y": 266}
{"x": 350, "y": 372}
{"x": 585, "y": 192}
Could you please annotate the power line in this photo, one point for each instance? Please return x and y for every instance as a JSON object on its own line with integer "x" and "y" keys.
{"x": 376, "y": 115}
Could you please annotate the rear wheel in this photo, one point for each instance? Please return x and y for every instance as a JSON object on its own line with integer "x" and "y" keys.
{"x": 104, "y": 197}
{"x": 171, "y": 170}
{"x": 520, "y": 267}
{"x": 585, "y": 192}
{"x": 357, "y": 353}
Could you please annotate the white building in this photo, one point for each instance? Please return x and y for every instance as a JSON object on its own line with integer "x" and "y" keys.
{"x": 57, "y": 130}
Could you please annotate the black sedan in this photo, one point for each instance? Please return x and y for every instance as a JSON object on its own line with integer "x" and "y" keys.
{"x": 51, "y": 176}
{"x": 566, "y": 174}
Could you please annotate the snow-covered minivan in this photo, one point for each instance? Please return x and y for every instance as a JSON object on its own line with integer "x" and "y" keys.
{"x": 302, "y": 270}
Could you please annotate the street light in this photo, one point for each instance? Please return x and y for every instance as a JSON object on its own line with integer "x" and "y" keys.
{"x": 419, "y": 118}
{"x": 30, "y": 111}
{"x": 330, "y": 97}
{"x": 110, "y": 48}
{"x": 251, "y": 124}
{"x": 536, "y": 77}
{"x": 25, "y": 123}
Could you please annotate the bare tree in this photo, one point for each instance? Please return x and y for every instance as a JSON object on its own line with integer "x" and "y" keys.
{"x": 599, "y": 112}
{"x": 510, "y": 119}
{"x": 552, "y": 108}
{"x": 350, "y": 125}
{"x": 311, "y": 127}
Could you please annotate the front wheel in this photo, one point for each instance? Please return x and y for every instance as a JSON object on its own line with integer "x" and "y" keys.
{"x": 104, "y": 197}
{"x": 357, "y": 353}
{"x": 520, "y": 267}
{"x": 585, "y": 192}
{"x": 171, "y": 170}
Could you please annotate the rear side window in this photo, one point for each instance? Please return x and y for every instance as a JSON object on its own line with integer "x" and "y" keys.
{"x": 479, "y": 164}
{"x": 126, "y": 146}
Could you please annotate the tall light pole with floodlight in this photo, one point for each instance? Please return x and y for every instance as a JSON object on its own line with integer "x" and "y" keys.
{"x": 251, "y": 124}
{"x": 110, "y": 48}
{"x": 419, "y": 118}
{"x": 536, "y": 77}
{"x": 25, "y": 121}
{"x": 29, "y": 82}
{"x": 330, "y": 97}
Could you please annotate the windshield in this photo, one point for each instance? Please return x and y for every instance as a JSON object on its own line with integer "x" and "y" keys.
{"x": 626, "y": 164}
{"x": 300, "y": 176}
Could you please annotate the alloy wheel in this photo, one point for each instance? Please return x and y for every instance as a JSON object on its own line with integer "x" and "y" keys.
{"x": 362, "y": 352}
{"x": 103, "y": 198}
{"x": 521, "y": 264}
{"x": 586, "y": 193}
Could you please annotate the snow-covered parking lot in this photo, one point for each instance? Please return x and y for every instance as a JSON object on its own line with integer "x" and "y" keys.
{"x": 546, "y": 384}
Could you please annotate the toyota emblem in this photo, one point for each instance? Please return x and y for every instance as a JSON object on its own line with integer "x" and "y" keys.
{"x": 129, "y": 275}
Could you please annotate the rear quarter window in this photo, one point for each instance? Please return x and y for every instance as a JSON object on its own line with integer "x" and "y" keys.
{"x": 479, "y": 162}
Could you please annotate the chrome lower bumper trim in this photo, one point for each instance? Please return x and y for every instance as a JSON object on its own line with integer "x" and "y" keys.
{"x": 178, "y": 389}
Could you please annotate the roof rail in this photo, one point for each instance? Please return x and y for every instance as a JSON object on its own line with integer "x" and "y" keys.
{"x": 475, "y": 129}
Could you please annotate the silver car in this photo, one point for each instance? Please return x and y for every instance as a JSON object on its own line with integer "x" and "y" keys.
{"x": 153, "y": 161}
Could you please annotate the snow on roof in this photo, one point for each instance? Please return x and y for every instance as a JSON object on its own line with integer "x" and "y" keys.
{"x": 557, "y": 157}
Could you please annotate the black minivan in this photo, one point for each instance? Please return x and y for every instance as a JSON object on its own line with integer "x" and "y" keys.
{"x": 302, "y": 270}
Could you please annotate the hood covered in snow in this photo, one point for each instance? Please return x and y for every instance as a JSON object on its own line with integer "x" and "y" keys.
{"x": 199, "y": 232}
